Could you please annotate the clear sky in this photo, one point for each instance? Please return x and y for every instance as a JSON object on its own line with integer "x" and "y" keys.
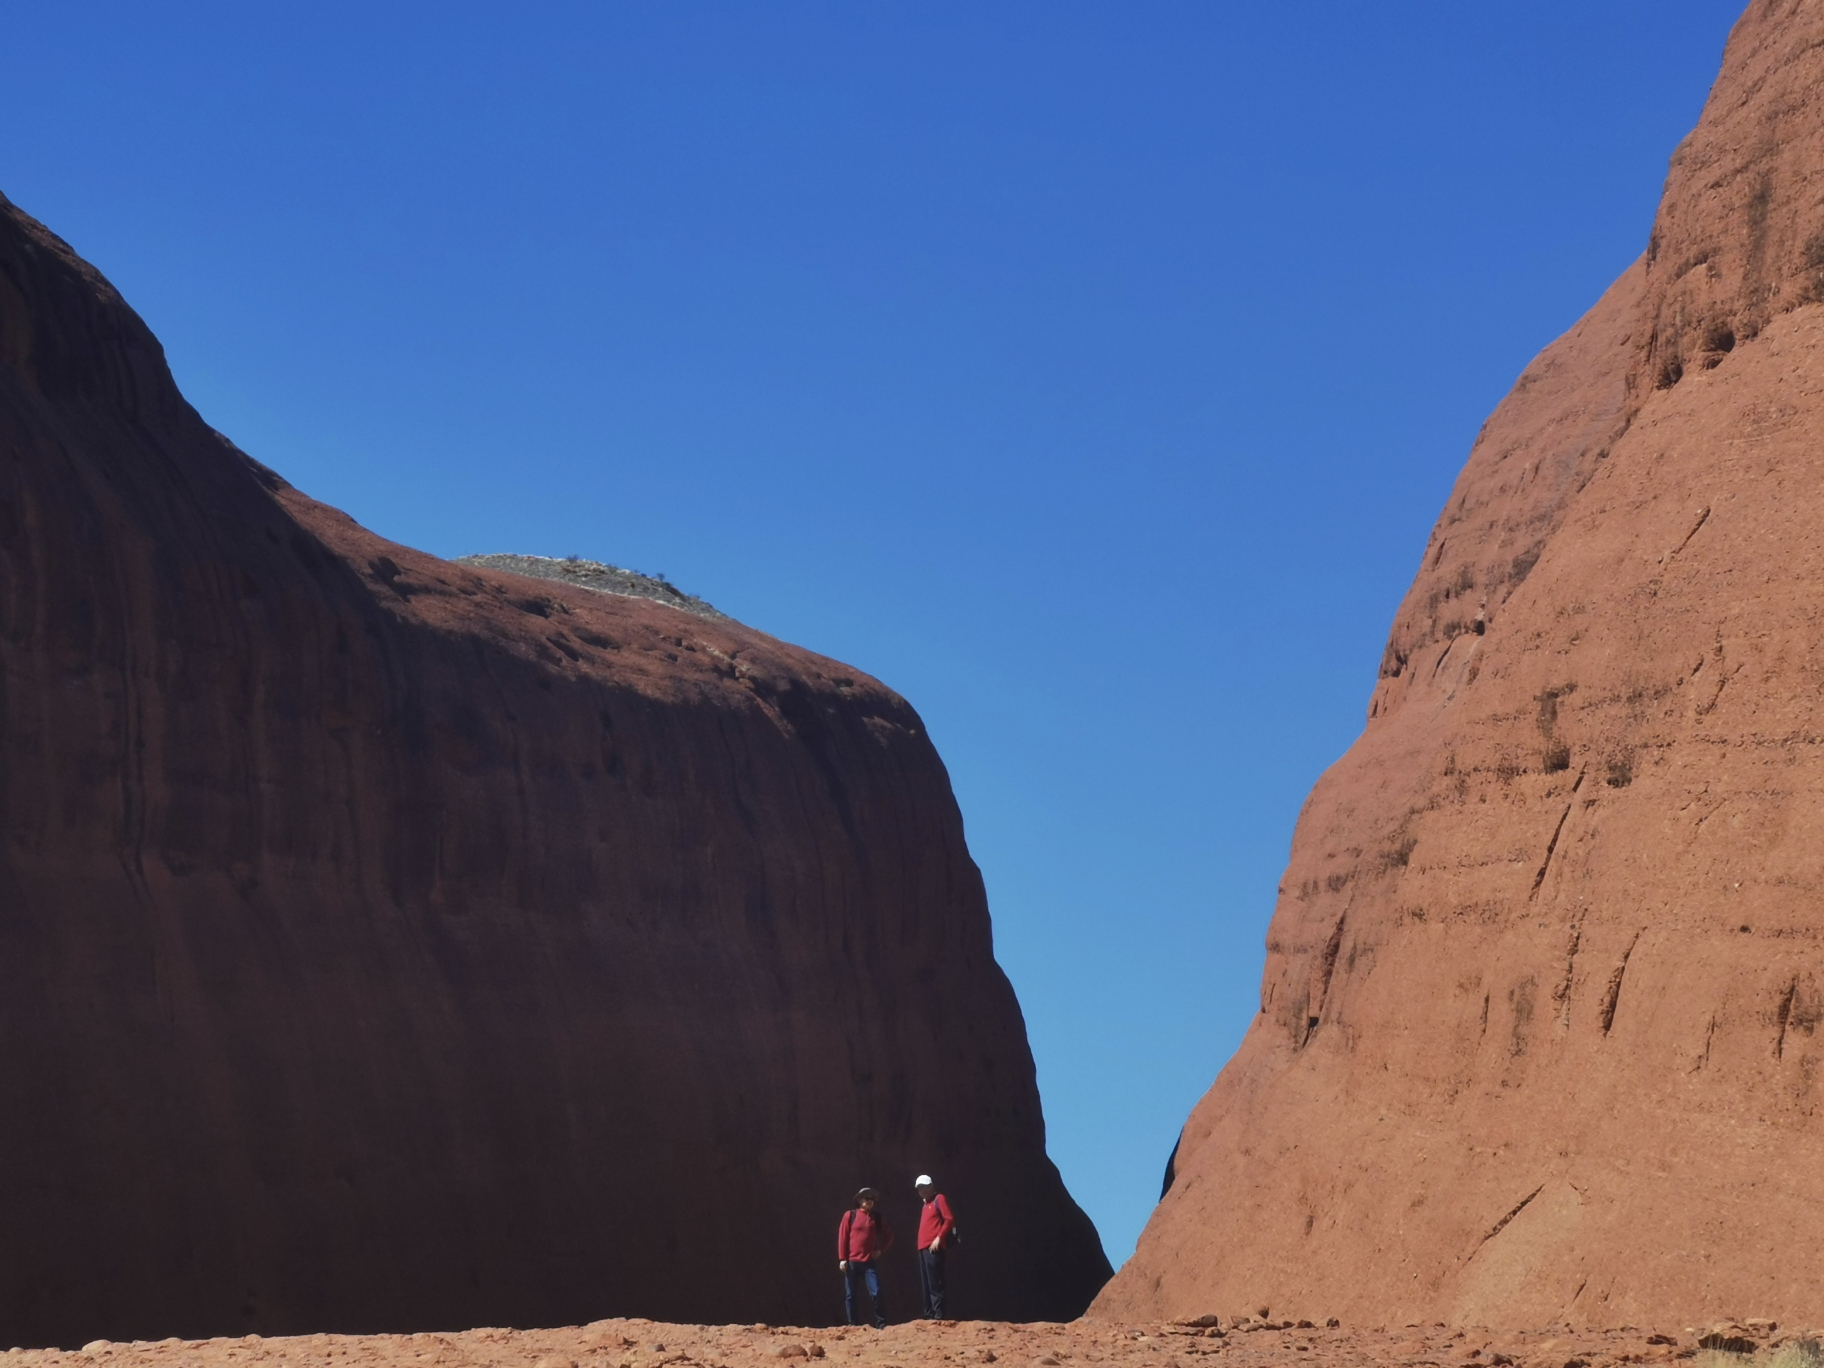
{"x": 1090, "y": 373}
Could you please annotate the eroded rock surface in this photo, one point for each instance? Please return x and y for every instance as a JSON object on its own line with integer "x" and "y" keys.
{"x": 388, "y": 944}
{"x": 1539, "y": 1025}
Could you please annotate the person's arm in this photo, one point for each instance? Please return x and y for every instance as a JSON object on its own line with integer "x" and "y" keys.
{"x": 842, "y": 1241}
{"x": 944, "y": 1222}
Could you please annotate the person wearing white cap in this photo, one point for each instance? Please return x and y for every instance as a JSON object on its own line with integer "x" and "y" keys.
{"x": 936, "y": 1229}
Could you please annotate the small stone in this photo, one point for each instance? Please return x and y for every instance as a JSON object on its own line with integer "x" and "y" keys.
{"x": 817, "y": 1351}
{"x": 97, "y": 1347}
{"x": 987, "y": 1356}
{"x": 789, "y": 1351}
{"x": 1047, "y": 1361}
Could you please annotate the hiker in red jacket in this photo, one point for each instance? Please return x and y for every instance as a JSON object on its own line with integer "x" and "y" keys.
{"x": 935, "y": 1224}
{"x": 860, "y": 1239}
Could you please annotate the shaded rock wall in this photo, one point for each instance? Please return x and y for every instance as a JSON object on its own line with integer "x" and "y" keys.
{"x": 392, "y": 944}
{"x": 1538, "y": 1035}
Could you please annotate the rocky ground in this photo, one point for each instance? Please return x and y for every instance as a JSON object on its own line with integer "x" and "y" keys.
{"x": 1254, "y": 1343}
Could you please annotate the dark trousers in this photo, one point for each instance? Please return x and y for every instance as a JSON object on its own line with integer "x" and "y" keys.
{"x": 931, "y": 1281}
{"x": 864, "y": 1272}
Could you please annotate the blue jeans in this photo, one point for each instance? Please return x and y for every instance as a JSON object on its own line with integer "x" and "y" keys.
{"x": 865, "y": 1272}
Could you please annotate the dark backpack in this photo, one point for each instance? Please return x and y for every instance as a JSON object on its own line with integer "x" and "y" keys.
{"x": 955, "y": 1237}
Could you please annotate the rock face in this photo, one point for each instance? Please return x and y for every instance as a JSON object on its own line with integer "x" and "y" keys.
{"x": 1538, "y": 1035}
{"x": 387, "y": 944}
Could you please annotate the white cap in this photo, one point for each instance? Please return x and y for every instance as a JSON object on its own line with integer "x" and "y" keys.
{"x": 923, "y": 1180}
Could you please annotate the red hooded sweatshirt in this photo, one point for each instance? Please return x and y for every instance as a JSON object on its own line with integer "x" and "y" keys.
{"x": 862, "y": 1235}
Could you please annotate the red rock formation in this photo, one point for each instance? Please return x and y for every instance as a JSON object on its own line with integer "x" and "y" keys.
{"x": 1538, "y": 1031}
{"x": 392, "y": 944}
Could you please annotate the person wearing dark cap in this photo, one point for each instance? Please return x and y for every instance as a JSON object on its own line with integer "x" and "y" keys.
{"x": 860, "y": 1239}
{"x": 935, "y": 1224}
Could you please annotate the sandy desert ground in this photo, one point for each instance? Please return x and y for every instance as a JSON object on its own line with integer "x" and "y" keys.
{"x": 1250, "y": 1344}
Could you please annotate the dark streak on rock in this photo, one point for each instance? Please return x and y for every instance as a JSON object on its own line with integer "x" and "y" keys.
{"x": 1502, "y": 1224}
{"x": 1779, "y": 1045}
{"x": 1613, "y": 995}
{"x": 1552, "y": 845}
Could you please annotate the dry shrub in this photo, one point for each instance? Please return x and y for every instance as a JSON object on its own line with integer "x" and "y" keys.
{"x": 1803, "y": 1353}
{"x": 1799, "y": 1353}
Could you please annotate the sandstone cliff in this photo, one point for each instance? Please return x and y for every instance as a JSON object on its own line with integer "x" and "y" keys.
{"x": 392, "y": 944}
{"x": 1538, "y": 1028}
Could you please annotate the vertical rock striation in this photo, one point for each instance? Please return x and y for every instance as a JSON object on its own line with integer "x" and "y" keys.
{"x": 1538, "y": 1036}
{"x": 391, "y": 944}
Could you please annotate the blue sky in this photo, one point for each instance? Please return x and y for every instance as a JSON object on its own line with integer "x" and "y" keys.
{"x": 1090, "y": 373}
